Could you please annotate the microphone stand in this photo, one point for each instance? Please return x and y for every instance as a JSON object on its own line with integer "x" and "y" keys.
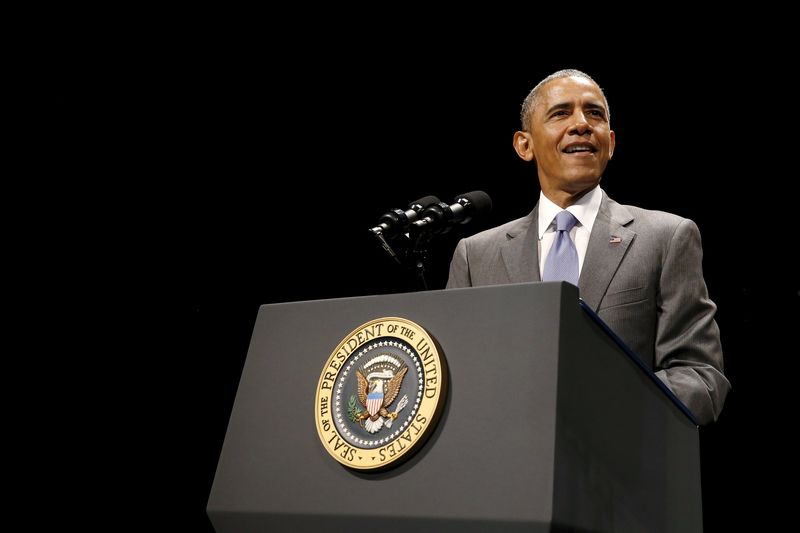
{"x": 418, "y": 254}
{"x": 413, "y": 254}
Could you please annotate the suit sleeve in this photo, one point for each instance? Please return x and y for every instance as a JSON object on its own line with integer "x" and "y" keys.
{"x": 688, "y": 349}
{"x": 459, "y": 267}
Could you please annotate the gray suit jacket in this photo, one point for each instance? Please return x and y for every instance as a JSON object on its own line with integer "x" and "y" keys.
{"x": 648, "y": 288}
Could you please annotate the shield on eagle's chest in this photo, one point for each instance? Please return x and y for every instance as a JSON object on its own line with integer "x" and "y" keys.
{"x": 375, "y": 398}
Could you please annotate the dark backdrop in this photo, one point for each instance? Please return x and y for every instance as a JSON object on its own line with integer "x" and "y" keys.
{"x": 271, "y": 170}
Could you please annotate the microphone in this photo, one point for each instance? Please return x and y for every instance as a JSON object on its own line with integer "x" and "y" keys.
{"x": 438, "y": 216}
{"x": 397, "y": 220}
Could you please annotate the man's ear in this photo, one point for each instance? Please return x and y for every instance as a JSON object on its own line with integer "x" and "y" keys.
{"x": 523, "y": 144}
{"x": 612, "y": 145}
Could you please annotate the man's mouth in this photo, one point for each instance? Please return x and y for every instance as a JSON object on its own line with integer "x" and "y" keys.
{"x": 580, "y": 148}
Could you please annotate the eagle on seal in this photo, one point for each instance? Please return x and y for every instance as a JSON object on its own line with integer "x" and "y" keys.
{"x": 376, "y": 392}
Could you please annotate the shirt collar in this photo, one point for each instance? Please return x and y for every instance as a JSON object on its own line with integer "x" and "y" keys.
{"x": 585, "y": 210}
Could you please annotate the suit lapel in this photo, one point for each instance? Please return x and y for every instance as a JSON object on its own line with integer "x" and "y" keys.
{"x": 608, "y": 243}
{"x": 521, "y": 251}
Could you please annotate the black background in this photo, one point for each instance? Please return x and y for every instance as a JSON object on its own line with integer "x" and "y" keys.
{"x": 251, "y": 177}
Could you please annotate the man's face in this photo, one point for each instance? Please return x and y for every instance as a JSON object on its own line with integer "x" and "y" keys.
{"x": 570, "y": 137}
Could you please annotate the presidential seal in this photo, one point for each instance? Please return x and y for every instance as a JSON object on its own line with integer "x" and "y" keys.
{"x": 380, "y": 394}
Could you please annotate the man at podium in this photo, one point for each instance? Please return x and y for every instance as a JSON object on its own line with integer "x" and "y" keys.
{"x": 640, "y": 270}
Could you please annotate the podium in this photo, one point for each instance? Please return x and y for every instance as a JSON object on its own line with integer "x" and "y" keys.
{"x": 550, "y": 424}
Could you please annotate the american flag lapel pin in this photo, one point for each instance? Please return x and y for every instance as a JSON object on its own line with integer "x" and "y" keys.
{"x": 615, "y": 239}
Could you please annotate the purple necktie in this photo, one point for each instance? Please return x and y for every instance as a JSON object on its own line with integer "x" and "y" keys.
{"x": 562, "y": 261}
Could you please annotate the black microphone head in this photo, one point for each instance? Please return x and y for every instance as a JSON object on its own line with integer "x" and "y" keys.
{"x": 479, "y": 203}
{"x": 396, "y": 221}
{"x": 422, "y": 203}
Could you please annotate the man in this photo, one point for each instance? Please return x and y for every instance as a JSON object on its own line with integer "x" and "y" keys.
{"x": 639, "y": 270}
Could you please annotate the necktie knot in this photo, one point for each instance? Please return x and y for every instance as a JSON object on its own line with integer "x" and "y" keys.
{"x": 565, "y": 220}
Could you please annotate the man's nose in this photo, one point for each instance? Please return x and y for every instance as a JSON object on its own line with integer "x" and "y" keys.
{"x": 581, "y": 125}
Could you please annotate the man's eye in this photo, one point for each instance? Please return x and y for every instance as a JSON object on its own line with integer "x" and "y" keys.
{"x": 560, "y": 114}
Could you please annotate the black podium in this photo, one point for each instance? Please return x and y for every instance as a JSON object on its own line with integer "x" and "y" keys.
{"x": 550, "y": 425}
